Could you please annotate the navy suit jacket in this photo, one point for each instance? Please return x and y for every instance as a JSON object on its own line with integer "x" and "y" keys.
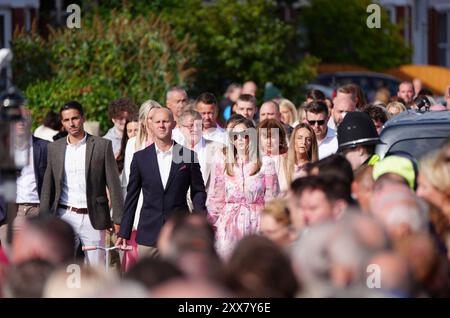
{"x": 40, "y": 164}
{"x": 39, "y": 161}
{"x": 158, "y": 202}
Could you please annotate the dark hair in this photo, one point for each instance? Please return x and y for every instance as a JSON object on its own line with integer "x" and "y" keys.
{"x": 72, "y": 105}
{"x": 206, "y": 98}
{"x": 259, "y": 268}
{"x": 52, "y": 120}
{"x": 336, "y": 165}
{"x": 234, "y": 117}
{"x": 315, "y": 95}
{"x": 334, "y": 187}
{"x": 376, "y": 113}
{"x": 270, "y": 124}
{"x": 120, "y": 160}
{"x": 248, "y": 98}
{"x": 120, "y": 105}
{"x": 396, "y": 98}
{"x": 153, "y": 271}
{"x": 317, "y": 107}
{"x": 59, "y": 234}
{"x": 425, "y": 91}
{"x": 422, "y": 102}
{"x": 28, "y": 279}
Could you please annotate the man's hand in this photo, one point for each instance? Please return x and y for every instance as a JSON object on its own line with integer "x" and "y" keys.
{"x": 115, "y": 229}
{"x": 121, "y": 242}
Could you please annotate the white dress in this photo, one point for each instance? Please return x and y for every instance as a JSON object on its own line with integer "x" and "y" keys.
{"x": 129, "y": 153}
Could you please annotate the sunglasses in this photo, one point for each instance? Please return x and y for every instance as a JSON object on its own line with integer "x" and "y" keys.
{"x": 318, "y": 122}
{"x": 242, "y": 134}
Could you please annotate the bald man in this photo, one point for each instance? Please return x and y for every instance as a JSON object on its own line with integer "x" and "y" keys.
{"x": 164, "y": 171}
{"x": 343, "y": 104}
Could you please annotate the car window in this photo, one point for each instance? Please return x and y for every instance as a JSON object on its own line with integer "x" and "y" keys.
{"x": 417, "y": 147}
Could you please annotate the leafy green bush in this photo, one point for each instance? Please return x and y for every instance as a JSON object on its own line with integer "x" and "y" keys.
{"x": 104, "y": 60}
{"x": 235, "y": 40}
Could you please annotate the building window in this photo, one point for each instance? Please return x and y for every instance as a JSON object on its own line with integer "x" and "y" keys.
{"x": 443, "y": 38}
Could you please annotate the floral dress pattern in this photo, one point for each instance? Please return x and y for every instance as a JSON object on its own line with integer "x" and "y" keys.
{"x": 234, "y": 202}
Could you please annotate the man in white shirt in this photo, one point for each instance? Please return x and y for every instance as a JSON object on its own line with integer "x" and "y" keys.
{"x": 206, "y": 105}
{"x": 317, "y": 117}
{"x": 32, "y": 151}
{"x": 191, "y": 129}
{"x": 80, "y": 169}
{"x": 176, "y": 101}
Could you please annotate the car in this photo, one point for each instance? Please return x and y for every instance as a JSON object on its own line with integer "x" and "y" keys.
{"x": 370, "y": 82}
{"x": 414, "y": 132}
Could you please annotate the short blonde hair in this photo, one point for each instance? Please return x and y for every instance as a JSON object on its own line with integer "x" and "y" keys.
{"x": 277, "y": 209}
{"x": 396, "y": 105}
{"x": 436, "y": 168}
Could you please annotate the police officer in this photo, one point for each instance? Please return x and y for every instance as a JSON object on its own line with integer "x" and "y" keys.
{"x": 357, "y": 137}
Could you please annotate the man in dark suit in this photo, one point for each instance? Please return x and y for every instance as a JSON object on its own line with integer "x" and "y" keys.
{"x": 31, "y": 151}
{"x": 164, "y": 171}
{"x": 80, "y": 168}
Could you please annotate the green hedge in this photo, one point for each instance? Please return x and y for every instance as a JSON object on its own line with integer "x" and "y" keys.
{"x": 138, "y": 58}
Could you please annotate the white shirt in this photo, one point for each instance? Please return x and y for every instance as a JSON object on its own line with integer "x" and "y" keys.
{"x": 26, "y": 183}
{"x": 73, "y": 191}
{"x": 164, "y": 163}
{"x": 217, "y": 134}
{"x": 129, "y": 153}
{"x": 331, "y": 123}
{"x": 178, "y": 136}
{"x": 45, "y": 133}
{"x": 329, "y": 145}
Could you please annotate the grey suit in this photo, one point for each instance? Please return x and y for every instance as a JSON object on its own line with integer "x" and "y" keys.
{"x": 101, "y": 172}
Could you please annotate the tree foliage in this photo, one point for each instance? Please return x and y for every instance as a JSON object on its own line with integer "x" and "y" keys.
{"x": 337, "y": 33}
{"x": 135, "y": 57}
{"x": 235, "y": 41}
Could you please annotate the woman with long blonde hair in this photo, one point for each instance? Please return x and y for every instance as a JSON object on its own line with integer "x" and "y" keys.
{"x": 142, "y": 140}
{"x": 241, "y": 183}
{"x": 303, "y": 149}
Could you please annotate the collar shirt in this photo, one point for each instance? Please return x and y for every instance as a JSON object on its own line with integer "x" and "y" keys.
{"x": 73, "y": 191}
{"x": 329, "y": 144}
{"x": 115, "y": 139}
{"x": 164, "y": 163}
{"x": 217, "y": 134}
{"x": 26, "y": 182}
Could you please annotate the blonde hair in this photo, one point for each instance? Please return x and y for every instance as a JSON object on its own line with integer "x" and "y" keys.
{"x": 277, "y": 208}
{"x": 144, "y": 110}
{"x": 289, "y": 105}
{"x": 313, "y": 153}
{"x": 436, "y": 168}
{"x": 395, "y": 105}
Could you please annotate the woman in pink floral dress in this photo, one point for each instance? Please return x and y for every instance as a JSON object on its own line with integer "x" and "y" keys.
{"x": 241, "y": 183}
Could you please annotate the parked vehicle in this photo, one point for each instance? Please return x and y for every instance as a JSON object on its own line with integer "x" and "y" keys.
{"x": 414, "y": 132}
{"x": 370, "y": 82}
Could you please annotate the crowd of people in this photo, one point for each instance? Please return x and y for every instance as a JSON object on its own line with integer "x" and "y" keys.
{"x": 207, "y": 198}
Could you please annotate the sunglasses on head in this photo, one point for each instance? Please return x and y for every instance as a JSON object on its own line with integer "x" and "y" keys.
{"x": 318, "y": 122}
{"x": 242, "y": 134}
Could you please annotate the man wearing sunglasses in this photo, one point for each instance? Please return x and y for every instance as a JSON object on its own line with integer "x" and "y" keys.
{"x": 317, "y": 117}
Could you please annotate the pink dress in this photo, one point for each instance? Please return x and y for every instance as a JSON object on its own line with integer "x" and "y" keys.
{"x": 234, "y": 202}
